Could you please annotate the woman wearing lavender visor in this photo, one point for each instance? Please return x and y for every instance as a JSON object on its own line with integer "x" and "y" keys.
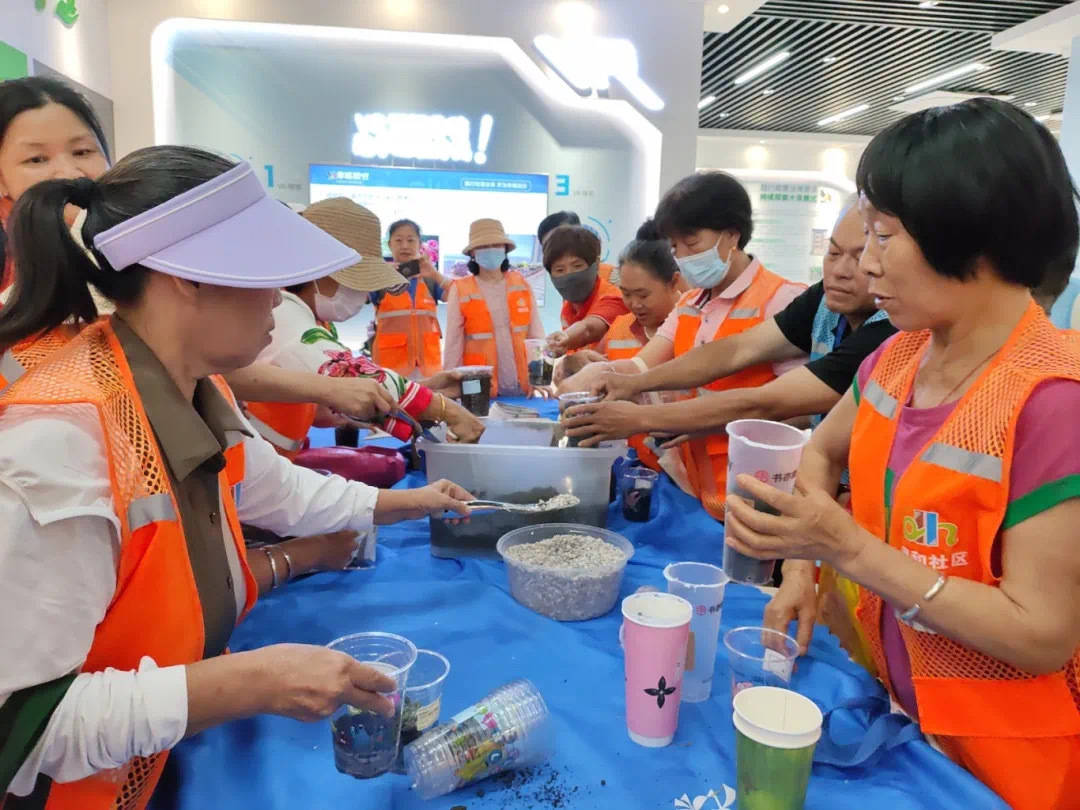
{"x": 125, "y": 470}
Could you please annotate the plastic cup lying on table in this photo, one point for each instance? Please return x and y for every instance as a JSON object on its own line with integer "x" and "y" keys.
{"x": 423, "y": 699}
{"x": 771, "y": 452}
{"x": 541, "y": 364}
{"x": 759, "y": 657}
{"x": 656, "y": 631}
{"x": 638, "y": 484}
{"x": 567, "y": 401}
{"x": 365, "y": 742}
{"x": 776, "y": 731}
{"x": 476, "y": 389}
{"x": 508, "y": 729}
{"x": 702, "y": 585}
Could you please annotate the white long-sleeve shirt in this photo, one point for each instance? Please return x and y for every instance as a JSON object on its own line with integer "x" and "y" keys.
{"x": 59, "y": 550}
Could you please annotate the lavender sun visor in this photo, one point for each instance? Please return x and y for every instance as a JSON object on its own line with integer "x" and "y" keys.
{"x": 230, "y": 232}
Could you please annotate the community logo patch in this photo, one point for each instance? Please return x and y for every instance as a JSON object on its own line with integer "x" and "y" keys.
{"x": 927, "y": 529}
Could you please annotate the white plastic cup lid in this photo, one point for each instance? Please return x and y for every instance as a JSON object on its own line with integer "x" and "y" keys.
{"x": 656, "y": 609}
{"x": 778, "y": 718}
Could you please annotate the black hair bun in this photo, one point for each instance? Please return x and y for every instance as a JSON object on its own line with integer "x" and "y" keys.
{"x": 648, "y": 232}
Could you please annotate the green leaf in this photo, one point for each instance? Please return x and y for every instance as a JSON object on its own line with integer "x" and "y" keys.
{"x": 66, "y": 11}
{"x": 315, "y": 334}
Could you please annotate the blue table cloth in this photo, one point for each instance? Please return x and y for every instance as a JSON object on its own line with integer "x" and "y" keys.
{"x": 463, "y": 609}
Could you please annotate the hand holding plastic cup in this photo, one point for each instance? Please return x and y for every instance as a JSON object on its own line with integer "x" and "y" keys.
{"x": 656, "y": 630}
{"x": 771, "y": 452}
{"x": 476, "y": 389}
{"x": 423, "y": 699}
{"x": 702, "y": 585}
{"x": 759, "y": 657}
{"x": 541, "y": 364}
{"x": 637, "y": 486}
{"x": 776, "y": 731}
{"x": 510, "y": 728}
{"x": 366, "y": 743}
{"x": 571, "y": 399}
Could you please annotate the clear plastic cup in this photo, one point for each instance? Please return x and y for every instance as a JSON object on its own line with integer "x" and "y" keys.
{"x": 476, "y": 389}
{"x": 541, "y": 364}
{"x": 508, "y": 729}
{"x": 776, "y": 731}
{"x": 759, "y": 657}
{"x": 771, "y": 452}
{"x": 423, "y": 699}
{"x": 637, "y": 485}
{"x": 366, "y": 743}
{"x": 702, "y": 585}
{"x": 569, "y": 401}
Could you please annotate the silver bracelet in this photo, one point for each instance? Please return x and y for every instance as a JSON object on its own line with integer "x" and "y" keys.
{"x": 935, "y": 589}
{"x": 273, "y": 568}
{"x": 288, "y": 565}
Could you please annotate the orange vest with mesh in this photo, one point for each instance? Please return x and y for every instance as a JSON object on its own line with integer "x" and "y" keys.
{"x": 480, "y": 347}
{"x": 31, "y": 352}
{"x": 1017, "y": 732}
{"x": 407, "y": 334}
{"x": 620, "y": 343}
{"x": 153, "y": 552}
{"x": 705, "y": 459}
{"x": 284, "y": 424}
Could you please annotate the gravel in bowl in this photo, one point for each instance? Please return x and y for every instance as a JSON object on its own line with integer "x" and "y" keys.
{"x": 565, "y": 571}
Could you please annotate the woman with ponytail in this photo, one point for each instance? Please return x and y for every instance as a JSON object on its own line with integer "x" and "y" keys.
{"x": 126, "y": 468}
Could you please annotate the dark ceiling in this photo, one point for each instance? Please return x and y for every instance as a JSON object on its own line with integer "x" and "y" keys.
{"x": 880, "y": 47}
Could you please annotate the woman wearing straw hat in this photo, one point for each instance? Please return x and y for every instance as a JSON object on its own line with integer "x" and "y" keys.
{"x": 491, "y": 312}
{"x": 125, "y": 470}
{"x": 305, "y": 339}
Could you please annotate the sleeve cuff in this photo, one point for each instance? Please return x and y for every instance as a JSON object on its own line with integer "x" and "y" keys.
{"x": 165, "y": 696}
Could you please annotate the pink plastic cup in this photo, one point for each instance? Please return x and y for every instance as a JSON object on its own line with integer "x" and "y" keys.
{"x": 656, "y": 630}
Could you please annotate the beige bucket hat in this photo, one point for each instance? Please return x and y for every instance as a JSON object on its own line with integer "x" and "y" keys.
{"x": 487, "y": 232}
{"x": 360, "y": 229}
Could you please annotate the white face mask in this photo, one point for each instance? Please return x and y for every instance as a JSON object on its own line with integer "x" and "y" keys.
{"x": 491, "y": 258}
{"x": 340, "y": 306}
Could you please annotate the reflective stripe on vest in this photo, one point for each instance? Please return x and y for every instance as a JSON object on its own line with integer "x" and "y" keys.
{"x": 10, "y": 368}
{"x": 744, "y": 313}
{"x": 399, "y": 313}
{"x": 883, "y": 403}
{"x": 151, "y": 509}
{"x": 964, "y": 461}
{"x": 624, "y": 344}
{"x": 274, "y": 437}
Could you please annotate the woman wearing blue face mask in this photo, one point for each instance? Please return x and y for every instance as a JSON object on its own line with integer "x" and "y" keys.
{"x": 708, "y": 220}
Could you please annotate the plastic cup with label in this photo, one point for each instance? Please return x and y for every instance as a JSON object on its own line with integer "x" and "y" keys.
{"x": 656, "y": 631}
{"x": 637, "y": 486}
{"x": 476, "y": 389}
{"x": 508, "y": 729}
{"x": 702, "y": 585}
{"x": 758, "y": 656}
{"x": 423, "y": 699}
{"x": 541, "y": 364}
{"x": 567, "y": 401}
{"x": 771, "y": 452}
{"x": 776, "y": 731}
{"x": 365, "y": 742}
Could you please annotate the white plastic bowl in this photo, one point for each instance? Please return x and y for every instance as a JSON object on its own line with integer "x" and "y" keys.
{"x": 564, "y": 594}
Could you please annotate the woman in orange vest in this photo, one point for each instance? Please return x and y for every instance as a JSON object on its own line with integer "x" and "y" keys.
{"x": 125, "y": 470}
{"x": 305, "y": 338}
{"x": 964, "y": 452}
{"x": 590, "y": 304}
{"x": 708, "y": 220}
{"x": 407, "y": 334}
{"x": 491, "y": 312}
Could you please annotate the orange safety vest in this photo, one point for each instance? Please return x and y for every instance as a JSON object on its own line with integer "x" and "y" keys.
{"x": 153, "y": 561}
{"x": 284, "y": 424}
{"x": 620, "y": 343}
{"x": 407, "y": 333}
{"x": 31, "y": 352}
{"x": 705, "y": 459}
{"x": 1018, "y": 733}
{"x": 480, "y": 348}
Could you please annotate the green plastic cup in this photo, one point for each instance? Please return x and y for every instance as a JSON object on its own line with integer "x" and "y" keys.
{"x": 776, "y": 731}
